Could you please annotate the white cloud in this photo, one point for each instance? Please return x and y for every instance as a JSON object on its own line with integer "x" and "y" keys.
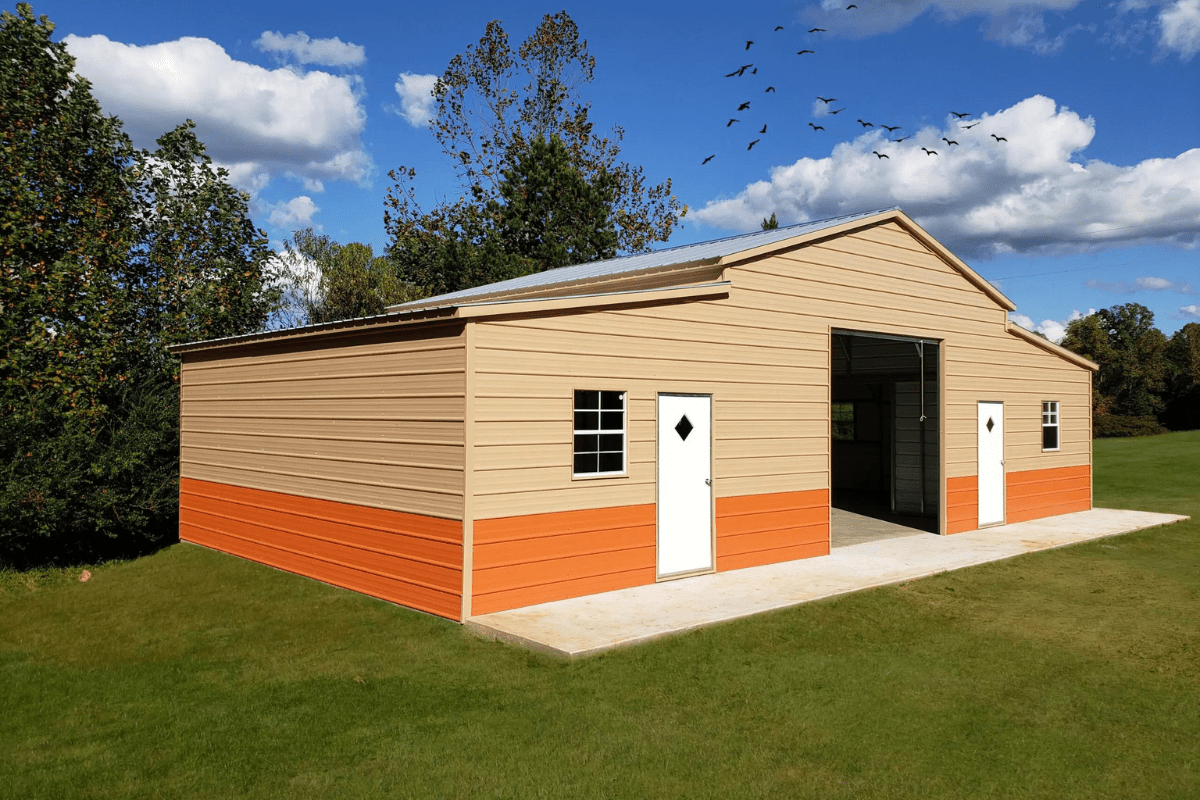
{"x": 1147, "y": 283}
{"x": 303, "y": 50}
{"x": 1014, "y": 22}
{"x": 985, "y": 197}
{"x": 416, "y": 98}
{"x": 297, "y": 211}
{"x": 1192, "y": 311}
{"x": 1160, "y": 284}
{"x": 256, "y": 122}
{"x": 1052, "y": 329}
{"x": 1181, "y": 28}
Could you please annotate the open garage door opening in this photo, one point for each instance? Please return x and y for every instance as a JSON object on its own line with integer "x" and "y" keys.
{"x": 886, "y": 428}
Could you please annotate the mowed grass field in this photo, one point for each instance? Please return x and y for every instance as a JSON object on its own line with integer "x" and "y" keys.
{"x": 1072, "y": 673}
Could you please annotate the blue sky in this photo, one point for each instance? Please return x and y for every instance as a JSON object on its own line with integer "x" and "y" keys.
{"x": 1093, "y": 200}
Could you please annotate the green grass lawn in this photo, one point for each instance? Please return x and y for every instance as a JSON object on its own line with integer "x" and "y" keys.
{"x": 1066, "y": 673}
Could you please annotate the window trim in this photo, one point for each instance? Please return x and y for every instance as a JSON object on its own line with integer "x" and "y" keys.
{"x": 624, "y": 432}
{"x": 1052, "y": 409}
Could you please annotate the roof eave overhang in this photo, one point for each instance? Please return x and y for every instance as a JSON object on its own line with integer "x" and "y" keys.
{"x": 1051, "y": 347}
{"x": 540, "y": 291}
{"x": 468, "y": 311}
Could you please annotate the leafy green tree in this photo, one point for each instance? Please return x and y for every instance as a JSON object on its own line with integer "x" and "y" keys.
{"x": 549, "y": 214}
{"x": 107, "y": 255}
{"x": 770, "y": 223}
{"x": 199, "y": 268}
{"x": 1183, "y": 391}
{"x": 1130, "y": 352}
{"x": 493, "y": 107}
{"x": 64, "y": 231}
{"x": 327, "y": 281}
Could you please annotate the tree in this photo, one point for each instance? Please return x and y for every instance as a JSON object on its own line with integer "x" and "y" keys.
{"x": 327, "y": 281}
{"x": 199, "y": 268}
{"x": 493, "y": 107}
{"x": 770, "y": 223}
{"x": 1130, "y": 352}
{"x": 549, "y": 214}
{"x": 1183, "y": 390}
{"x": 107, "y": 255}
{"x": 63, "y": 228}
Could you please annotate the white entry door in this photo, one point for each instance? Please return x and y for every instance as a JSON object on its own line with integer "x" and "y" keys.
{"x": 685, "y": 535}
{"x": 991, "y": 463}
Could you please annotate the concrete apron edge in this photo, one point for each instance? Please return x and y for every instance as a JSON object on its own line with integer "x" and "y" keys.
{"x": 486, "y": 631}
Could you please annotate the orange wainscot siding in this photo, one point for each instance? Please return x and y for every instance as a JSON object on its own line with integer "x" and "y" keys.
{"x": 758, "y": 529}
{"x": 962, "y": 504}
{"x": 521, "y": 561}
{"x": 1048, "y": 492}
{"x": 410, "y": 559}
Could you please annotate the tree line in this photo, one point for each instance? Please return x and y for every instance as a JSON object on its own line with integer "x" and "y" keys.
{"x": 1147, "y": 383}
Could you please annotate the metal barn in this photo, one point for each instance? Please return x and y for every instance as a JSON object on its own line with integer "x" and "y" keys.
{"x": 700, "y": 408}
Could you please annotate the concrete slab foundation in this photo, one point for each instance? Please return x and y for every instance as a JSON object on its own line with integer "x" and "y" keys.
{"x": 584, "y": 626}
{"x": 849, "y": 527}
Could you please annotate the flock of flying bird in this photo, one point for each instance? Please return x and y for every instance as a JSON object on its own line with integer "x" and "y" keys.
{"x": 751, "y": 69}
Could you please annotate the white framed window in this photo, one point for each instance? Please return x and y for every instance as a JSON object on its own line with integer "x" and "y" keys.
{"x": 1050, "y": 425}
{"x": 599, "y": 432}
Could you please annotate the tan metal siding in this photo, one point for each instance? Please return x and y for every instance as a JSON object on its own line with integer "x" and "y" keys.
{"x": 763, "y": 354}
{"x": 882, "y": 279}
{"x": 373, "y": 419}
{"x": 767, "y": 438}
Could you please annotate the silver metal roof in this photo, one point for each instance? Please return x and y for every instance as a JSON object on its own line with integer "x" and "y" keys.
{"x": 670, "y": 256}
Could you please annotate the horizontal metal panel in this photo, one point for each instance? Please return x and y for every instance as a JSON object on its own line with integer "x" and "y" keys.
{"x": 432, "y": 409}
{"x": 448, "y": 506}
{"x": 431, "y": 433}
{"x": 382, "y": 453}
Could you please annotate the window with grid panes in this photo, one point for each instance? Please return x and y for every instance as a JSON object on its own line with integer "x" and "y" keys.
{"x": 599, "y": 432}
{"x": 1050, "y": 425}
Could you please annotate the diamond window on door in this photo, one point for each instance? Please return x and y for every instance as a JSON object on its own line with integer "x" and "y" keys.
{"x": 684, "y": 427}
{"x": 990, "y": 424}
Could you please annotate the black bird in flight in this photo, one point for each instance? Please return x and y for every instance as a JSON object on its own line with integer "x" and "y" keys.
{"x": 816, "y": 30}
{"x": 705, "y": 161}
{"x": 744, "y": 106}
{"x": 865, "y": 124}
{"x": 852, "y": 5}
{"x": 826, "y": 99}
{"x": 891, "y": 128}
{"x": 764, "y": 130}
{"x": 754, "y": 71}
{"x": 751, "y": 145}
{"x": 929, "y": 152}
{"x": 881, "y": 155}
{"x": 731, "y": 121}
{"x": 737, "y": 73}
{"x": 770, "y": 89}
{"x": 816, "y": 127}
{"x": 902, "y": 138}
{"x": 748, "y": 43}
{"x": 960, "y": 116}
{"x": 840, "y": 110}
{"x": 802, "y": 52}
{"x": 999, "y": 138}
{"x": 968, "y": 127}
{"x": 778, "y": 27}
{"x": 948, "y": 141}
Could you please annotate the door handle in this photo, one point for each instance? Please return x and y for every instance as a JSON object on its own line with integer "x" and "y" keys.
{"x": 708, "y": 481}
